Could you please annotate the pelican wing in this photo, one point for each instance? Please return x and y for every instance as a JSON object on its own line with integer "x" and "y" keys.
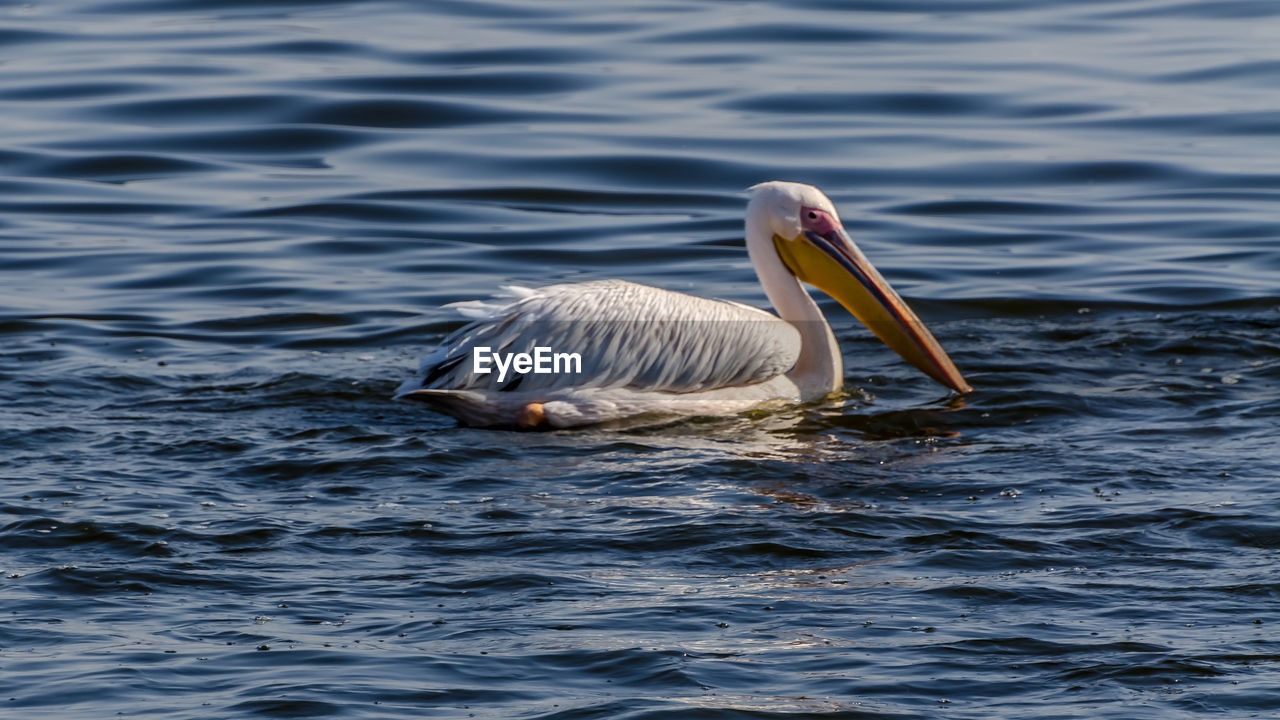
{"x": 626, "y": 335}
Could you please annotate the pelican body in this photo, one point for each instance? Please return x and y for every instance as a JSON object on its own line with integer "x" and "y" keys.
{"x": 647, "y": 352}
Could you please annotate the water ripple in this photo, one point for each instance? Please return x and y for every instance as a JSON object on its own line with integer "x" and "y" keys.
{"x": 228, "y": 230}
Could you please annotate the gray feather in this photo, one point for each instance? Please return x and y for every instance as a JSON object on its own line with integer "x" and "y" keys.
{"x": 628, "y": 335}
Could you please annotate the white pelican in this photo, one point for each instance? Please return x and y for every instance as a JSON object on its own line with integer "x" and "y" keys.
{"x": 646, "y": 351}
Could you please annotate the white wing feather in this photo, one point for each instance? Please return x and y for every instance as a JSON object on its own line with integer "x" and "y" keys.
{"x": 628, "y": 336}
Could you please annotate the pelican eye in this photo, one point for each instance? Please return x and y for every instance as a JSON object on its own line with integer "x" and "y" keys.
{"x": 813, "y": 215}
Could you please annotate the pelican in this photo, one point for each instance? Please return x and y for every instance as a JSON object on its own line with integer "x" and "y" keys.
{"x": 647, "y": 352}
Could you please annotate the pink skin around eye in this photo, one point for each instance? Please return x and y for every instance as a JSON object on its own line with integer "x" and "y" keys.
{"x": 819, "y": 221}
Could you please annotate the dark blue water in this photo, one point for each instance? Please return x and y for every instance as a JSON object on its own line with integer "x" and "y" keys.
{"x": 227, "y": 228}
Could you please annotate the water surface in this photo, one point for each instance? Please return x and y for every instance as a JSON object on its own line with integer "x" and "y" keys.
{"x": 227, "y": 230}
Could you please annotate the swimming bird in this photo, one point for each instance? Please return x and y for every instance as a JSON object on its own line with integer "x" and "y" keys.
{"x": 644, "y": 351}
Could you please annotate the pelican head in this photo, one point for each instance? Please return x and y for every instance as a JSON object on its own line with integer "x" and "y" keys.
{"x": 794, "y": 230}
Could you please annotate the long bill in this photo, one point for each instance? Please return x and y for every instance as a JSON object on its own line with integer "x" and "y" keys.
{"x": 833, "y": 264}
